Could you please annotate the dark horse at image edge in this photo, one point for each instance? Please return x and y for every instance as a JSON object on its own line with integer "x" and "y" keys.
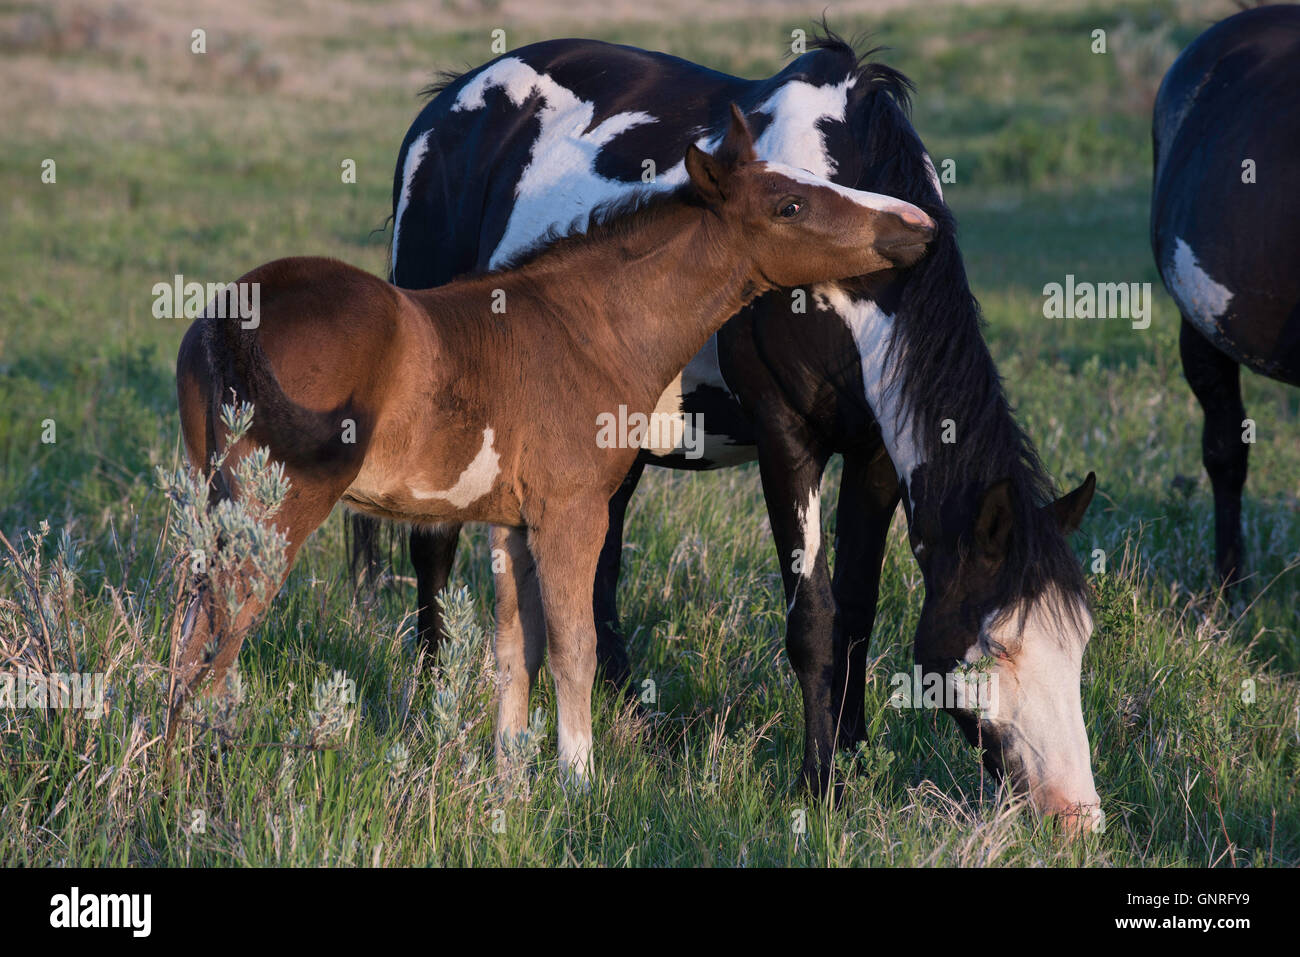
{"x": 1225, "y": 230}
{"x": 876, "y": 370}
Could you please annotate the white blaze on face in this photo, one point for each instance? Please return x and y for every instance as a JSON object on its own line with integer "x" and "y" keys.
{"x": 1038, "y": 701}
{"x": 414, "y": 157}
{"x": 871, "y": 327}
{"x": 877, "y": 201}
{"x": 1201, "y": 299}
{"x": 475, "y": 482}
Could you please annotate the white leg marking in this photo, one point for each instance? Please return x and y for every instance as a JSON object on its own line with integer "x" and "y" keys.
{"x": 475, "y": 482}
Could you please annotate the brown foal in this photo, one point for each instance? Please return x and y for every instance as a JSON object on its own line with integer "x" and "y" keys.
{"x": 458, "y": 414}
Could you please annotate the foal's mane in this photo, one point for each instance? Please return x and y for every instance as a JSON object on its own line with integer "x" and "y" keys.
{"x": 939, "y": 359}
{"x": 606, "y": 222}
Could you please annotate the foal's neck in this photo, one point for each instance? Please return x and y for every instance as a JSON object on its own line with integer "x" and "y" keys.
{"x": 651, "y": 297}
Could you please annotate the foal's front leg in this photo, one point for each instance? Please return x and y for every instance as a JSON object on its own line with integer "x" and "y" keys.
{"x": 520, "y": 634}
{"x": 566, "y": 549}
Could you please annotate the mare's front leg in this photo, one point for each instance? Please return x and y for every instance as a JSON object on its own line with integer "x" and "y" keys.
{"x": 520, "y": 635}
{"x": 791, "y": 463}
{"x": 433, "y": 553}
{"x": 566, "y": 548}
{"x": 869, "y": 494}
{"x": 611, "y": 648}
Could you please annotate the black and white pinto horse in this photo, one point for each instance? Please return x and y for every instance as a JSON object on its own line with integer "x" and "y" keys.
{"x": 893, "y": 375}
{"x": 1225, "y": 228}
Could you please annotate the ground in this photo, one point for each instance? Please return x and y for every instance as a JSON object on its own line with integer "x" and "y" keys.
{"x": 168, "y": 162}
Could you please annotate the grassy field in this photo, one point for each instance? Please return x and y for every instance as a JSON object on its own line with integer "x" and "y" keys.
{"x": 168, "y": 163}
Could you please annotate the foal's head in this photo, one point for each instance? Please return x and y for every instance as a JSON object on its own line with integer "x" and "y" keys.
{"x": 798, "y": 228}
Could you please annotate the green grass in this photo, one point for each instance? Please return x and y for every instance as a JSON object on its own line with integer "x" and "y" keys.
{"x": 211, "y": 175}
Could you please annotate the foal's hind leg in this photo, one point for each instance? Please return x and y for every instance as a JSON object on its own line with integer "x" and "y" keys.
{"x": 869, "y": 494}
{"x": 611, "y": 648}
{"x": 199, "y": 665}
{"x": 521, "y": 631}
{"x": 433, "y": 553}
{"x": 1216, "y": 380}
{"x": 566, "y": 549}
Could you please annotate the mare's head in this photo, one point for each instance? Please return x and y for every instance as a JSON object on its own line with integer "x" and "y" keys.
{"x": 1015, "y": 640}
{"x": 797, "y": 228}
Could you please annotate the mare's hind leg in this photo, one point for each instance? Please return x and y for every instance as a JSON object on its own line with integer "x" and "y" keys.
{"x": 1216, "y": 380}
{"x": 521, "y": 630}
{"x": 200, "y": 665}
{"x": 791, "y": 467}
{"x": 611, "y": 648}
{"x": 566, "y": 549}
{"x": 433, "y": 553}
{"x": 869, "y": 494}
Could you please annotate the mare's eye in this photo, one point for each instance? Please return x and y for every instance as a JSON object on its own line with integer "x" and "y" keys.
{"x": 789, "y": 208}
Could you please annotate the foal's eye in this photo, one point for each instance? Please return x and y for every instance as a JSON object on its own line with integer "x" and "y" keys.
{"x": 789, "y": 209}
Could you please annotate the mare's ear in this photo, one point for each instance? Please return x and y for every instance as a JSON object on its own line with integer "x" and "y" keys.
{"x": 711, "y": 175}
{"x": 995, "y": 522}
{"x": 1069, "y": 508}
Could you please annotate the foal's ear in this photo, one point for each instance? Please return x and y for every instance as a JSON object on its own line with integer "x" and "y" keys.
{"x": 995, "y": 521}
{"x": 710, "y": 174}
{"x": 1069, "y": 508}
{"x": 738, "y": 146}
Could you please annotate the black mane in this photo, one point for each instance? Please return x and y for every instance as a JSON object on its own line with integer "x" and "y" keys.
{"x": 940, "y": 360}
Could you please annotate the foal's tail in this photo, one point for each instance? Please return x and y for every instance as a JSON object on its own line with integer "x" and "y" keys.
{"x": 240, "y": 370}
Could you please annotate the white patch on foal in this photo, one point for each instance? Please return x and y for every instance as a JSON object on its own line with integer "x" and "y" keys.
{"x": 475, "y": 482}
{"x": 1201, "y": 299}
{"x": 871, "y": 327}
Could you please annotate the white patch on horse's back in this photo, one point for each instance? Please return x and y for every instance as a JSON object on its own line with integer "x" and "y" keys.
{"x": 877, "y": 201}
{"x": 933, "y": 174}
{"x": 1038, "y": 697}
{"x": 559, "y": 185}
{"x": 793, "y": 135}
{"x": 414, "y": 157}
{"x": 871, "y": 328}
{"x": 1201, "y": 299}
{"x": 475, "y": 482}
